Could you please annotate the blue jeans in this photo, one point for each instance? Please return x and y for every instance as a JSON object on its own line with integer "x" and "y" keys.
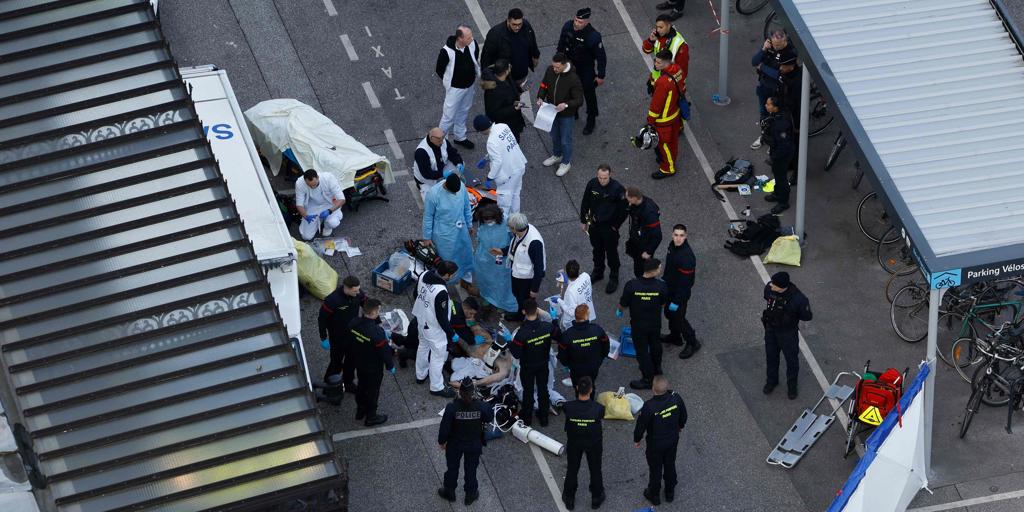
{"x": 561, "y": 138}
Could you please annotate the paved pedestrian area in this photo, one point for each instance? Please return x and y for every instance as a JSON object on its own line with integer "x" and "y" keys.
{"x": 369, "y": 67}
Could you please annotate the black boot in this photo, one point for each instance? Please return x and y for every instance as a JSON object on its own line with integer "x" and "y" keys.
{"x": 331, "y": 394}
{"x": 569, "y": 501}
{"x": 447, "y": 494}
{"x": 691, "y": 348}
{"x": 613, "y": 284}
{"x": 589, "y": 127}
{"x": 375, "y": 419}
{"x": 652, "y": 497}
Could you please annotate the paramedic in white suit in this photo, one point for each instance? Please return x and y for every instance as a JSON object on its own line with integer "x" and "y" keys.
{"x": 458, "y": 65}
{"x": 508, "y": 164}
{"x": 433, "y": 310}
{"x": 319, "y": 199}
{"x": 577, "y": 291}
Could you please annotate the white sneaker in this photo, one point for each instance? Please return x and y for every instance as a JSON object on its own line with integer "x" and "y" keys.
{"x": 756, "y": 144}
{"x": 563, "y": 169}
{"x": 552, "y": 160}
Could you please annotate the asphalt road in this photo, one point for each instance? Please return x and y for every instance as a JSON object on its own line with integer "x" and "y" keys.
{"x": 296, "y": 49}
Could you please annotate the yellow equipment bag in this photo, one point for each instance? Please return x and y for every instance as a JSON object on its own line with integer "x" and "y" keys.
{"x": 616, "y": 406}
{"x": 785, "y": 250}
{"x": 314, "y": 273}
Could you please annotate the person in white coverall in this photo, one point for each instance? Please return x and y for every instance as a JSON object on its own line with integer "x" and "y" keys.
{"x": 578, "y": 290}
{"x": 433, "y": 311}
{"x": 458, "y": 65}
{"x": 508, "y": 164}
{"x": 319, "y": 199}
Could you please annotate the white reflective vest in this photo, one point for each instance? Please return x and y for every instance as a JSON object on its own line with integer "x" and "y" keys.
{"x": 425, "y": 146}
{"x": 446, "y": 80}
{"x": 519, "y": 256}
{"x": 423, "y": 308}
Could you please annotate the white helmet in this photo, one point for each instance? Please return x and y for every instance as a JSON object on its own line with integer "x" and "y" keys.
{"x": 646, "y": 138}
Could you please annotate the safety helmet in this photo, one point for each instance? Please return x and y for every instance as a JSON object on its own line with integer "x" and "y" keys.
{"x": 646, "y": 138}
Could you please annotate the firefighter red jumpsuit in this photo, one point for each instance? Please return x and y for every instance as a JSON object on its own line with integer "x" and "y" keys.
{"x": 663, "y": 114}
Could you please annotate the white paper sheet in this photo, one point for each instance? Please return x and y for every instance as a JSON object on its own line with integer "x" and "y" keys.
{"x": 545, "y": 117}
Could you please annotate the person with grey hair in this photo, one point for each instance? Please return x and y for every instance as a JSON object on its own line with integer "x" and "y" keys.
{"x": 458, "y": 65}
{"x": 526, "y": 256}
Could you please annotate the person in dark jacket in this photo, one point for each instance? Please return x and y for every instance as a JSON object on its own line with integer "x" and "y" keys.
{"x": 501, "y": 97}
{"x": 514, "y": 41}
{"x": 767, "y": 61}
{"x": 336, "y": 313}
{"x": 787, "y": 306}
{"x": 433, "y": 160}
{"x": 644, "y": 229}
{"x": 583, "y": 45}
{"x": 674, "y": 6}
{"x": 461, "y": 436}
{"x": 790, "y": 78}
{"x": 561, "y": 87}
{"x": 680, "y": 271}
{"x": 661, "y": 420}
{"x": 602, "y": 212}
{"x": 531, "y": 345}
{"x": 373, "y": 355}
{"x": 583, "y": 436}
{"x": 644, "y": 298}
{"x": 777, "y": 131}
{"x": 583, "y": 347}
{"x": 527, "y": 257}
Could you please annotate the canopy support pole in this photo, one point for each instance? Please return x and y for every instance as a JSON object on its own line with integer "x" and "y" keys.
{"x": 934, "y": 301}
{"x": 722, "y": 98}
{"x": 801, "y": 165}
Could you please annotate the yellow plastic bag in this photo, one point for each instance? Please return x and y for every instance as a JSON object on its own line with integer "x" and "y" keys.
{"x": 616, "y": 407}
{"x": 314, "y": 273}
{"x": 785, "y": 250}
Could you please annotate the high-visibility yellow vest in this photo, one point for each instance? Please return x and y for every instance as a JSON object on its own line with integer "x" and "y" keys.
{"x": 673, "y": 46}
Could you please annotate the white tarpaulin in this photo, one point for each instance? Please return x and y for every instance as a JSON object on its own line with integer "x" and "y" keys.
{"x": 316, "y": 142}
{"x": 892, "y": 470}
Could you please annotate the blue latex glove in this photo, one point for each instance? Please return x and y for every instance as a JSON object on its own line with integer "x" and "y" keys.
{"x": 478, "y": 339}
{"x": 673, "y": 307}
{"x": 310, "y": 218}
{"x": 461, "y": 167}
{"x": 482, "y": 163}
{"x": 325, "y": 344}
{"x": 446, "y": 173}
{"x": 489, "y": 184}
{"x": 326, "y": 213}
{"x": 553, "y": 312}
{"x": 618, "y": 313}
{"x": 393, "y": 371}
{"x": 455, "y": 338}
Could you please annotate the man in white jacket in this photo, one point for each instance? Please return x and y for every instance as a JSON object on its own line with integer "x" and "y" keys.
{"x": 318, "y": 199}
{"x": 508, "y": 164}
{"x": 578, "y": 290}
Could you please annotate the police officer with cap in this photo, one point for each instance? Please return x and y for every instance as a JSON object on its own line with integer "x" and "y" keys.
{"x": 461, "y": 436}
{"x": 583, "y": 347}
{"x": 644, "y": 298}
{"x": 661, "y": 419}
{"x": 583, "y": 436}
{"x": 582, "y": 44}
{"x": 373, "y": 354}
{"x": 531, "y": 345}
{"x": 787, "y": 306}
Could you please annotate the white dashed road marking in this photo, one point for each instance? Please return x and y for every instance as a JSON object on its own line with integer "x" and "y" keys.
{"x": 396, "y": 150}
{"x": 329, "y": 5}
{"x": 349, "y": 49}
{"x": 370, "y": 95}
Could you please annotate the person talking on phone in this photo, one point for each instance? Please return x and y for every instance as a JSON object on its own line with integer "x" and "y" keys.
{"x": 501, "y": 97}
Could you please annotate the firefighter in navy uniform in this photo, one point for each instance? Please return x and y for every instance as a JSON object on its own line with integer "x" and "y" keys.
{"x": 372, "y": 355}
{"x": 336, "y": 313}
{"x": 582, "y": 44}
{"x": 680, "y": 271}
{"x": 777, "y": 131}
{"x": 787, "y": 306}
{"x": 461, "y": 436}
{"x": 644, "y": 229}
{"x": 645, "y": 297}
{"x": 661, "y": 419}
{"x": 602, "y": 212}
{"x": 583, "y": 436}
{"x": 583, "y": 347}
{"x": 531, "y": 345}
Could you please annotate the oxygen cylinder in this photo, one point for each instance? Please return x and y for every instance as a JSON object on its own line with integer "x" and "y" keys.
{"x": 528, "y": 435}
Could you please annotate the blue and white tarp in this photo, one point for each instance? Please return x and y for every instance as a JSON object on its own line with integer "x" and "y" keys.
{"x": 892, "y": 470}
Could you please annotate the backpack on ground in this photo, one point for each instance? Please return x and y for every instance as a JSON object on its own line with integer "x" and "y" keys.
{"x": 756, "y": 237}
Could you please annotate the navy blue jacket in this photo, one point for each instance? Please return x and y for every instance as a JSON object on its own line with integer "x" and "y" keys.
{"x": 584, "y": 49}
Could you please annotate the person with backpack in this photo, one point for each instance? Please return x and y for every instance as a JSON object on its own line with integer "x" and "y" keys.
{"x": 661, "y": 419}
{"x": 787, "y": 306}
{"x": 461, "y": 436}
{"x": 664, "y": 114}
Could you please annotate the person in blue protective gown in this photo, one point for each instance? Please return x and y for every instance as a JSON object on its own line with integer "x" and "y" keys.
{"x": 447, "y": 221}
{"x": 492, "y": 277}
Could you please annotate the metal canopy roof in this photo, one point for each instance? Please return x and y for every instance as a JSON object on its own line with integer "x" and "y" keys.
{"x": 147, "y": 364}
{"x": 933, "y": 93}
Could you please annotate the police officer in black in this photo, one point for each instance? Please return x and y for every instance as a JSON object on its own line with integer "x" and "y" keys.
{"x": 602, "y": 212}
{"x": 583, "y": 436}
{"x": 777, "y": 131}
{"x": 372, "y": 355}
{"x": 644, "y": 229}
{"x": 680, "y": 272}
{"x": 582, "y": 44}
{"x": 644, "y": 298}
{"x": 787, "y": 306}
{"x": 461, "y": 436}
{"x": 582, "y": 347}
{"x": 531, "y": 345}
{"x": 336, "y": 313}
{"x": 661, "y": 419}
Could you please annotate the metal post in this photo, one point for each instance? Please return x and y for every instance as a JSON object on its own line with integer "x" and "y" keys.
{"x": 801, "y": 164}
{"x": 934, "y": 301}
{"x": 722, "y": 98}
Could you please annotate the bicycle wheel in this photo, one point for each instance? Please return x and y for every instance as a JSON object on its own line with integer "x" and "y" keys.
{"x": 820, "y": 117}
{"x": 749, "y": 7}
{"x": 964, "y": 355}
{"x": 772, "y": 22}
{"x": 833, "y": 154}
{"x": 898, "y": 282}
{"x": 909, "y": 314}
{"x": 951, "y": 327}
{"x": 973, "y": 404}
{"x": 996, "y": 392}
{"x": 895, "y": 258}
{"x": 873, "y": 220}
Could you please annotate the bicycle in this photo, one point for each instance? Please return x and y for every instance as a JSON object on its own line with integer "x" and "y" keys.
{"x": 748, "y": 7}
{"x": 873, "y": 220}
{"x": 962, "y": 311}
{"x": 991, "y": 384}
{"x": 965, "y": 351}
{"x": 895, "y": 258}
